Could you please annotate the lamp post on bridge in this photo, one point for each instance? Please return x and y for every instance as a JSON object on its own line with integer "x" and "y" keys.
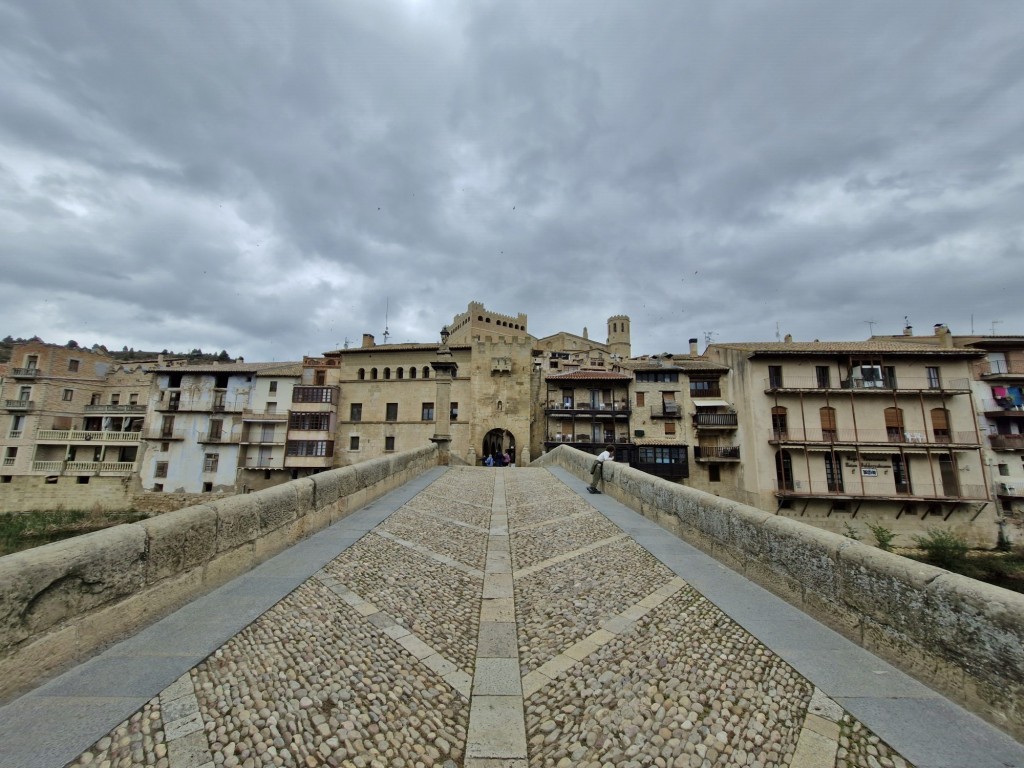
{"x": 445, "y": 369}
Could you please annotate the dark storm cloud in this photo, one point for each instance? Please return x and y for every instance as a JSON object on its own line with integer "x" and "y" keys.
{"x": 273, "y": 178}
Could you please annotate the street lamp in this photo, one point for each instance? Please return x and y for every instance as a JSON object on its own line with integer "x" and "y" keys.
{"x": 444, "y": 335}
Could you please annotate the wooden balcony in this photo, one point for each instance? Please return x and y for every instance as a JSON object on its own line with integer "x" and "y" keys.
{"x": 111, "y": 408}
{"x": 1007, "y": 442}
{"x": 869, "y": 437}
{"x": 601, "y": 410}
{"x": 885, "y": 385}
{"x": 666, "y": 411}
{"x": 716, "y": 453}
{"x": 675, "y": 471}
{"x": 715, "y": 421}
{"x": 879, "y": 490}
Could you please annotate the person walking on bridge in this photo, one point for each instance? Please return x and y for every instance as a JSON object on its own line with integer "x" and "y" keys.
{"x": 608, "y": 454}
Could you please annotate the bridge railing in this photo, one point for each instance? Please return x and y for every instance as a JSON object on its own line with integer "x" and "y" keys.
{"x": 61, "y": 602}
{"x": 959, "y": 635}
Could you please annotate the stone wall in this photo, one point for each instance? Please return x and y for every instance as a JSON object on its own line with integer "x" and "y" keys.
{"x": 61, "y": 603}
{"x": 31, "y": 493}
{"x": 960, "y": 636}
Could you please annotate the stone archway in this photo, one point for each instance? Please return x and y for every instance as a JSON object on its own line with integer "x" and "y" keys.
{"x": 498, "y": 441}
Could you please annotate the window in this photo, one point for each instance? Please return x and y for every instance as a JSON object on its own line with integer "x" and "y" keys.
{"x": 900, "y": 474}
{"x": 412, "y": 373}
{"x": 310, "y": 448}
{"x": 670, "y": 427}
{"x": 387, "y": 373}
{"x": 355, "y": 412}
{"x": 165, "y": 447}
{"x": 94, "y": 399}
{"x": 73, "y": 366}
{"x": 1004, "y": 469}
{"x": 389, "y": 443}
{"x": 940, "y": 425}
{"x": 353, "y": 443}
{"x": 934, "y": 379}
{"x": 823, "y": 376}
{"x": 649, "y": 454}
{"x": 774, "y": 376}
{"x": 210, "y": 461}
{"x": 67, "y": 395}
{"x": 894, "y": 424}
{"x": 400, "y": 373}
{"x": 453, "y": 412}
{"x": 216, "y": 428}
{"x": 271, "y": 407}
{"x": 714, "y": 473}
{"x": 828, "y": 423}
{"x": 161, "y": 469}
{"x": 833, "y": 473}
{"x": 704, "y": 388}
{"x": 319, "y": 378}
{"x": 115, "y": 398}
{"x": 273, "y": 387}
{"x": 427, "y": 412}
{"x": 784, "y": 471}
{"x": 779, "y": 426}
{"x": 391, "y": 412}
{"x": 25, "y": 394}
{"x": 361, "y": 374}
{"x": 313, "y": 395}
{"x": 207, "y": 487}
{"x": 31, "y": 362}
{"x": 373, "y": 373}
{"x": 426, "y": 372}
{"x": 82, "y": 479}
{"x": 657, "y": 376}
{"x": 640, "y": 400}
{"x": 133, "y": 398}
{"x": 311, "y": 421}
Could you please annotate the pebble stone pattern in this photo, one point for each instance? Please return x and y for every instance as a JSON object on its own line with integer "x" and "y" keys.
{"x": 534, "y": 545}
{"x": 648, "y": 672}
{"x": 466, "y": 545}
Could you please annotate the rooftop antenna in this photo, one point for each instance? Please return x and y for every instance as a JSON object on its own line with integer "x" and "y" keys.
{"x": 994, "y": 323}
{"x": 709, "y": 337}
{"x": 871, "y": 326}
{"x": 778, "y": 337}
{"x": 387, "y": 307}
{"x": 347, "y": 342}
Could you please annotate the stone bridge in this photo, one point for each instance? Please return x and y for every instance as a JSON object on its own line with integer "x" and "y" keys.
{"x": 497, "y": 617}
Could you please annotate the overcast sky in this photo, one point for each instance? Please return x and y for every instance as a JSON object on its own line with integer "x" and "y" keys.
{"x": 268, "y": 177}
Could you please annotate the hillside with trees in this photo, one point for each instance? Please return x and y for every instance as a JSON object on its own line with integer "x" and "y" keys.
{"x": 125, "y": 354}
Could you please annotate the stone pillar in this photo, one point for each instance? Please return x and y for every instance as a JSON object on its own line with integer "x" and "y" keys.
{"x": 444, "y": 371}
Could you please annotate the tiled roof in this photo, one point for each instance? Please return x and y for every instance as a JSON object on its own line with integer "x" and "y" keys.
{"x": 223, "y": 368}
{"x": 589, "y": 376}
{"x": 876, "y": 346}
{"x": 677, "y": 364}
{"x": 282, "y": 369}
{"x": 397, "y": 348}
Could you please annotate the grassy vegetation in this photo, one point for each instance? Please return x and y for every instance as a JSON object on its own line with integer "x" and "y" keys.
{"x": 1003, "y": 569}
{"x": 24, "y": 530}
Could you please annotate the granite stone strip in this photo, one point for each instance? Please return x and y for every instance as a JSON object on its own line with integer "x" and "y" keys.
{"x": 497, "y": 722}
{"x": 443, "y": 559}
{"x": 524, "y": 572}
{"x": 445, "y": 519}
{"x": 819, "y": 740}
{"x": 554, "y": 521}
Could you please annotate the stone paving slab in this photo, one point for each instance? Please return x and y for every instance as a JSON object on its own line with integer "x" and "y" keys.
{"x": 593, "y": 651}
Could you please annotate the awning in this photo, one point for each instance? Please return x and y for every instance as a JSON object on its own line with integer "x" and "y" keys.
{"x": 710, "y": 402}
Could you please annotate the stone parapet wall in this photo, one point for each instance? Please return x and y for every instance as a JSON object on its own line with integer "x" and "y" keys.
{"x": 960, "y": 636}
{"x": 62, "y": 602}
{"x": 31, "y": 493}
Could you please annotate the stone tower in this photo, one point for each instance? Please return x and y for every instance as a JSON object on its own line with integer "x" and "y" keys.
{"x": 618, "y": 336}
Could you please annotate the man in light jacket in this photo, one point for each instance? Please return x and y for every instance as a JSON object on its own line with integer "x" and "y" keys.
{"x": 608, "y": 454}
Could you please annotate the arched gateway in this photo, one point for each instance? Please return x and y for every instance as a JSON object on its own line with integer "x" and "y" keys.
{"x": 497, "y": 441}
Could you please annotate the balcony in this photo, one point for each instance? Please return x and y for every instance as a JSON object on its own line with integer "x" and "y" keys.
{"x": 705, "y": 453}
{"x": 675, "y": 471}
{"x": 275, "y": 440}
{"x": 872, "y": 437}
{"x": 77, "y": 436}
{"x": 713, "y": 390}
{"x": 1007, "y": 442}
{"x": 162, "y": 434}
{"x": 876, "y": 489}
{"x": 116, "y": 408}
{"x": 666, "y": 411}
{"x": 248, "y": 414}
{"x": 9, "y": 461}
{"x": 216, "y": 437}
{"x": 999, "y": 369}
{"x": 885, "y": 385}
{"x": 19, "y": 405}
{"x": 87, "y": 467}
{"x": 607, "y": 410}
{"x": 313, "y": 462}
{"x": 24, "y": 373}
{"x": 712, "y": 421}
{"x": 1002, "y": 408}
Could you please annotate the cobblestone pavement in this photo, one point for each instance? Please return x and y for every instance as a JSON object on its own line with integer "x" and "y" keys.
{"x": 496, "y": 619}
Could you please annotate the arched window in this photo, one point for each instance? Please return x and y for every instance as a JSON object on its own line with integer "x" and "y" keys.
{"x": 362, "y": 374}
{"x": 387, "y": 373}
{"x": 426, "y": 372}
{"x": 779, "y": 423}
{"x": 412, "y": 373}
{"x": 373, "y": 373}
{"x": 400, "y": 373}
{"x": 894, "y": 424}
{"x": 828, "y": 423}
{"x": 940, "y": 425}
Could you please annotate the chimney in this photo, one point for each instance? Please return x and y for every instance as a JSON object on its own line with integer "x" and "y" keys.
{"x": 240, "y": 360}
{"x": 789, "y": 338}
{"x": 908, "y": 330}
{"x": 693, "y": 347}
{"x": 945, "y": 337}
{"x": 367, "y": 340}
